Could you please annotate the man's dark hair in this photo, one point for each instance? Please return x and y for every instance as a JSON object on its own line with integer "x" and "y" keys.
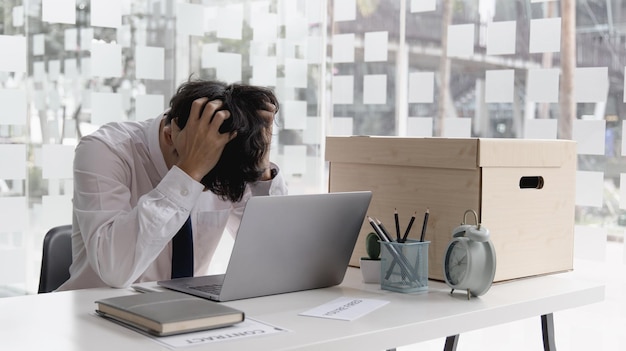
{"x": 240, "y": 162}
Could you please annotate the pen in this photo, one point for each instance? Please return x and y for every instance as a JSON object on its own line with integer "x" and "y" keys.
{"x": 408, "y": 229}
{"x": 424, "y": 225}
{"x": 395, "y": 215}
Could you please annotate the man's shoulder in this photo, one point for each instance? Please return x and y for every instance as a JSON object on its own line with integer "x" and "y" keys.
{"x": 119, "y": 133}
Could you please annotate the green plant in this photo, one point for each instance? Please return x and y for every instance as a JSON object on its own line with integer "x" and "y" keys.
{"x": 372, "y": 247}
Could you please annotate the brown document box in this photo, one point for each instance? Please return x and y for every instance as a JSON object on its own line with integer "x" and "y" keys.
{"x": 522, "y": 190}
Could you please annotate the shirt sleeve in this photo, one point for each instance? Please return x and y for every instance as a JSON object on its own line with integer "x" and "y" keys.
{"x": 122, "y": 240}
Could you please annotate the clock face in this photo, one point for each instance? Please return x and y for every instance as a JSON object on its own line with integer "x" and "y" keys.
{"x": 456, "y": 263}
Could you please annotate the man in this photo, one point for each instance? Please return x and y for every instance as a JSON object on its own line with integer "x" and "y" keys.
{"x": 138, "y": 184}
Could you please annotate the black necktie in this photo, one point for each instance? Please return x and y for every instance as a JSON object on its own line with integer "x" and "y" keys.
{"x": 182, "y": 252}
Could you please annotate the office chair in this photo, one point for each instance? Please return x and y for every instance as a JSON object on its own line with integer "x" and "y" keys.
{"x": 56, "y": 258}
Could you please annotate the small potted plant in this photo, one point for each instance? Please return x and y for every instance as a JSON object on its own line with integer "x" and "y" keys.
{"x": 370, "y": 265}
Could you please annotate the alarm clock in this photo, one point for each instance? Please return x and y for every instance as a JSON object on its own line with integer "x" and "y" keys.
{"x": 470, "y": 258}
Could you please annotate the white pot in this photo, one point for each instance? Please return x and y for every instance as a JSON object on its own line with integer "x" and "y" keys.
{"x": 370, "y": 270}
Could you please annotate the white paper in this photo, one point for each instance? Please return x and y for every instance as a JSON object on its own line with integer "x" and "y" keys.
{"x": 499, "y": 85}
{"x": 589, "y": 136}
{"x": 148, "y": 106}
{"x": 57, "y": 161}
{"x": 590, "y": 243}
{"x": 344, "y": 10}
{"x": 13, "y": 58}
{"x": 150, "y": 62}
{"x": 343, "y": 48}
{"x": 230, "y": 22}
{"x": 13, "y": 102}
{"x": 457, "y": 127}
{"x": 376, "y": 44}
{"x": 39, "y": 45}
{"x": 589, "y": 188}
{"x": 375, "y": 89}
{"x": 15, "y": 156}
{"x": 294, "y": 114}
{"x": 246, "y": 329}
{"x": 106, "y": 60}
{"x": 421, "y": 87}
{"x": 345, "y": 308}
{"x": 106, "y": 13}
{"x": 13, "y": 210}
{"x": 419, "y": 127}
{"x": 58, "y": 11}
{"x": 343, "y": 90}
{"x": 193, "y": 15}
{"x": 540, "y": 129}
{"x": 296, "y": 73}
{"x": 543, "y": 85}
{"x": 545, "y": 35}
{"x": 106, "y": 107}
{"x": 460, "y": 40}
{"x": 501, "y": 38}
{"x": 591, "y": 84}
{"x": 423, "y": 5}
{"x": 341, "y": 126}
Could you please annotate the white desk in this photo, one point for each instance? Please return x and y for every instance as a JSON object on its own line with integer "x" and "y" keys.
{"x": 65, "y": 320}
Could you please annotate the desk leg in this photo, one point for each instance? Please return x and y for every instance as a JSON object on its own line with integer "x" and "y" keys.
{"x": 451, "y": 342}
{"x": 547, "y": 328}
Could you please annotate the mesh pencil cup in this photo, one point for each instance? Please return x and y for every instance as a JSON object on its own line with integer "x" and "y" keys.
{"x": 404, "y": 266}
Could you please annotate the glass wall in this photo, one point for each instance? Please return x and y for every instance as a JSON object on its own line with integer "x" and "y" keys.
{"x": 442, "y": 68}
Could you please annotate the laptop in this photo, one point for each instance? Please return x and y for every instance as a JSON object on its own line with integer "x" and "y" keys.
{"x": 284, "y": 244}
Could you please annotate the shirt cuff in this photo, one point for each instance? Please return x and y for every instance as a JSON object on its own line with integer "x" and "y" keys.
{"x": 263, "y": 187}
{"x": 180, "y": 188}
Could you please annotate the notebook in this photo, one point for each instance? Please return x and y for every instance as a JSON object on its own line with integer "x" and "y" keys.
{"x": 284, "y": 244}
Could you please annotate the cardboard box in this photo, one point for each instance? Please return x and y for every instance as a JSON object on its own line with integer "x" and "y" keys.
{"x": 522, "y": 190}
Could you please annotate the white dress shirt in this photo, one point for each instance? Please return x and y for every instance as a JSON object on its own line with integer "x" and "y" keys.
{"x": 127, "y": 207}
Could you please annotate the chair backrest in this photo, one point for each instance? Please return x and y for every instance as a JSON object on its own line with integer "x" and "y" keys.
{"x": 56, "y": 258}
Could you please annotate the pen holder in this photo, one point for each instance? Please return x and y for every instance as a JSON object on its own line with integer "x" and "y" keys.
{"x": 404, "y": 266}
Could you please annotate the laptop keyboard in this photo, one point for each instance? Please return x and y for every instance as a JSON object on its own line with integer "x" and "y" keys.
{"x": 210, "y": 288}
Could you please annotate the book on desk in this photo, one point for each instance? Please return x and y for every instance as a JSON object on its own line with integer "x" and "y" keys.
{"x": 168, "y": 312}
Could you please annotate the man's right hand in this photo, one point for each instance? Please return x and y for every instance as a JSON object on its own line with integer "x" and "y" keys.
{"x": 199, "y": 145}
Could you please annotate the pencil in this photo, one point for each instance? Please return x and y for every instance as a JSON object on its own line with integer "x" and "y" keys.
{"x": 395, "y": 215}
{"x": 383, "y": 229}
{"x": 424, "y": 225}
{"x": 377, "y": 229}
{"x": 408, "y": 229}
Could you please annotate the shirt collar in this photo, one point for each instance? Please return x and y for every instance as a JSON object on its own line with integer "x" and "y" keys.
{"x": 153, "y": 145}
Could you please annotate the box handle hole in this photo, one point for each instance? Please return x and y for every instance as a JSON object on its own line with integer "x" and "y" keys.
{"x": 535, "y": 182}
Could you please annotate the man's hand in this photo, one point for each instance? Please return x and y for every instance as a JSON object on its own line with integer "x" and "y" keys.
{"x": 267, "y": 113}
{"x": 199, "y": 145}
